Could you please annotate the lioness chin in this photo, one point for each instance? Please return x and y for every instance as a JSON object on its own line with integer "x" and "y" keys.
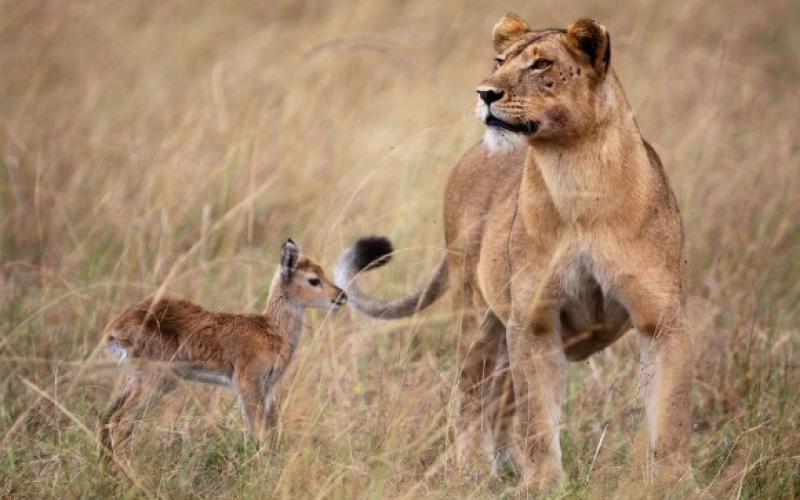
{"x": 554, "y": 250}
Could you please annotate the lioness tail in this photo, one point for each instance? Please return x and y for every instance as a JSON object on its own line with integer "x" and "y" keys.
{"x": 372, "y": 252}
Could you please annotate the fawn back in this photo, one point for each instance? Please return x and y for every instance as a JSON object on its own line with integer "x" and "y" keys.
{"x": 248, "y": 352}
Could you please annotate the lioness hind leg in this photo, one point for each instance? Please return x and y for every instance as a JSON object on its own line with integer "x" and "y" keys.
{"x": 500, "y": 414}
{"x": 537, "y": 362}
{"x": 485, "y": 403}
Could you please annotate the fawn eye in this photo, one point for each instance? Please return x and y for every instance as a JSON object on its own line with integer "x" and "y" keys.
{"x": 314, "y": 281}
{"x": 541, "y": 64}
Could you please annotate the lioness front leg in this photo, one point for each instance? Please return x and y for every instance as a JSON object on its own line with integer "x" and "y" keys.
{"x": 666, "y": 375}
{"x": 537, "y": 367}
{"x": 666, "y": 385}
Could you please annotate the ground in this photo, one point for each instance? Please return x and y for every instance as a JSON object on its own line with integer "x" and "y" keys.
{"x": 177, "y": 144}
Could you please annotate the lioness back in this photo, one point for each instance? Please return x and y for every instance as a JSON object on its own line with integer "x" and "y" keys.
{"x": 472, "y": 183}
{"x": 479, "y": 205}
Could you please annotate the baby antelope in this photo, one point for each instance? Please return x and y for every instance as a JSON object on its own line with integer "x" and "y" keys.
{"x": 171, "y": 339}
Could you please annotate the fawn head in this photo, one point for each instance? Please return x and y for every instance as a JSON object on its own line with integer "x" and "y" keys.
{"x": 305, "y": 281}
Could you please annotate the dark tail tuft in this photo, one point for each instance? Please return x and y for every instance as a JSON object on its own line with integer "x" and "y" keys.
{"x": 372, "y": 252}
{"x": 375, "y": 251}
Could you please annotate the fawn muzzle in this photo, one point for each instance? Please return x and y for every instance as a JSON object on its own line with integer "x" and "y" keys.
{"x": 340, "y": 300}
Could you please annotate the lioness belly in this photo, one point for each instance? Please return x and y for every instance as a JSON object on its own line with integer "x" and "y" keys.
{"x": 590, "y": 319}
{"x": 587, "y": 328}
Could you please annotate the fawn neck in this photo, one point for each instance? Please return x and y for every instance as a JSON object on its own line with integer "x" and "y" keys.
{"x": 285, "y": 312}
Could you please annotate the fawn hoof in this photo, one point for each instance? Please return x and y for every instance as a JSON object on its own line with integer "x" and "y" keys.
{"x": 502, "y": 464}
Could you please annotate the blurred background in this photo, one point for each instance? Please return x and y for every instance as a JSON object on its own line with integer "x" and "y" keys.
{"x": 176, "y": 144}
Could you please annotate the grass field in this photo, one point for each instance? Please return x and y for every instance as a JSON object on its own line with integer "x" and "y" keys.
{"x": 174, "y": 145}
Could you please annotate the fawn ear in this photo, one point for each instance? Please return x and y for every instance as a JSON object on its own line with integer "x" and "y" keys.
{"x": 290, "y": 256}
{"x": 588, "y": 37}
{"x": 508, "y": 31}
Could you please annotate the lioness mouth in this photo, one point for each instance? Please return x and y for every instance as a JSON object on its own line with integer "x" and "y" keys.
{"x": 523, "y": 128}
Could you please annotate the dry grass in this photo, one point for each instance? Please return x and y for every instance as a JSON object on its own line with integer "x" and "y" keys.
{"x": 147, "y": 144}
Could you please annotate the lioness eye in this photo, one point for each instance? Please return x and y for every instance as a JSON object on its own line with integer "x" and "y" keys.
{"x": 541, "y": 64}
{"x": 314, "y": 281}
{"x": 498, "y": 61}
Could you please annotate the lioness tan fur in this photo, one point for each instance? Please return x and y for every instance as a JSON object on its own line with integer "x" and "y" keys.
{"x": 555, "y": 249}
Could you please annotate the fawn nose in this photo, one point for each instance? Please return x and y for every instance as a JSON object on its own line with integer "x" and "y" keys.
{"x": 340, "y": 299}
{"x": 489, "y": 95}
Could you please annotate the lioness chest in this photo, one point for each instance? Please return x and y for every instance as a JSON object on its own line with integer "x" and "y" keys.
{"x": 509, "y": 245}
{"x": 517, "y": 266}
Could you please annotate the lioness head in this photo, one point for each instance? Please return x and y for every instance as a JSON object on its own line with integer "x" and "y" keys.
{"x": 545, "y": 83}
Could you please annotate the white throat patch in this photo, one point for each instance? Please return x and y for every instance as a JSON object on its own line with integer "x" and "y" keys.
{"x": 502, "y": 141}
{"x": 498, "y": 140}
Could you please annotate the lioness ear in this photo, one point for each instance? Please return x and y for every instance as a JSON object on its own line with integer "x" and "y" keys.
{"x": 508, "y": 31}
{"x": 592, "y": 39}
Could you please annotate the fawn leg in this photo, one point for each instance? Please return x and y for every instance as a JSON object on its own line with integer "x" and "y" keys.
{"x": 251, "y": 386}
{"x": 148, "y": 391}
{"x": 119, "y": 404}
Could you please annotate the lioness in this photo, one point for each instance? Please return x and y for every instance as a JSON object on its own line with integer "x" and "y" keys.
{"x": 555, "y": 249}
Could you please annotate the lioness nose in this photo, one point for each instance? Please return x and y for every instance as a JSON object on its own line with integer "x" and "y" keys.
{"x": 490, "y": 95}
